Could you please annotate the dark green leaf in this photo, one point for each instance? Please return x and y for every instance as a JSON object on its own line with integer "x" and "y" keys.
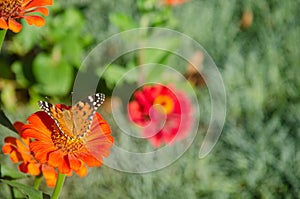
{"x": 7, "y": 172}
{"x": 5, "y": 121}
{"x": 30, "y": 192}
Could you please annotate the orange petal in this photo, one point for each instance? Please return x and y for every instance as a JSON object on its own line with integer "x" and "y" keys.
{"x": 26, "y": 156}
{"x": 58, "y": 159}
{"x": 41, "y": 150}
{"x": 35, "y": 3}
{"x": 31, "y": 131}
{"x": 89, "y": 159}
{"x": 53, "y": 158}
{"x": 64, "y": 166}
{"x": 14, "y": 25}
{"x": 34, "y": 169}
{"x": 7, "y": 148}
{"x": 42, "y": 10}
{"x": 82, "y": 171}
{"x": 100, "y": 147}
{"x": 15, "y": 156}
{"x": 74, "y": 162}
{"x": 99, "y": 127}
{"x": 35, "y": 20}
{"x": 174, "y": 2}
{"x": 39, "y": 127}
{"x": 40, "y": 119}
{"x": 99, "y": 141}
{"x": 69, "y": 173}
{"x": 3, "y": 24}
{"x": 50, "y": 175}
{"x": 22, "y": 147}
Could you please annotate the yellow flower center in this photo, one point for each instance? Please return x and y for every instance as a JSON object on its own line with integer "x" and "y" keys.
{"x": 10, "y": 8}
{"x": 67, "y": 144}
{"x": 165, "y": 102}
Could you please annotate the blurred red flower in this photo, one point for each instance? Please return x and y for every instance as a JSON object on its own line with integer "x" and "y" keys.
{"x": 11, "y": 10}
{"x": 68, "y": 152}
{"x": 164, "y": 113}
{"x": 19, "y": 151}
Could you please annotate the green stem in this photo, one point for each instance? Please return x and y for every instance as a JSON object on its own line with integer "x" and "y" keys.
{"x": 37, "y": 181}
{"x": 59, "y": 185}
{"x": 2, "y": 36}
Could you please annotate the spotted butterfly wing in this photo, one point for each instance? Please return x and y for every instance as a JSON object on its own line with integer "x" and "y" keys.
{"x": 77, "y": 120}
{"x": 84, "y": 111}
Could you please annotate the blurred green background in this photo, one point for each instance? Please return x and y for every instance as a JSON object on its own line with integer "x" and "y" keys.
{"x": 255, "y": 45}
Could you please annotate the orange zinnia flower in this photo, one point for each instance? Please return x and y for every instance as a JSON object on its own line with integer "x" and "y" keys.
{"x": 19, "y": 152}
{"x": 66, "y": 151}
{"x": 10, "y": 10}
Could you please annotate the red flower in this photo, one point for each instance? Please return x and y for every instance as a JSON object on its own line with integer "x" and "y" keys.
{"x": 19, "y": 152}
{"x": 11, "y": 10}
{"x": 164, "y": 113}
{"x": 67, "y": 152}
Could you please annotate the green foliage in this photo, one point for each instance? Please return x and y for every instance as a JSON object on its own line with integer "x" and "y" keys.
{"x": 27, "y": 191}
{"x": 44, "y": 60}
{"x": 10, "y": 173}
{"x": 9, "y": 177}
{"x": 59, "y": 78}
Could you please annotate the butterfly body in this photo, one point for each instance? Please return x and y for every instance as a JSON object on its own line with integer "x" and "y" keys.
{"x": 74, "y": 121}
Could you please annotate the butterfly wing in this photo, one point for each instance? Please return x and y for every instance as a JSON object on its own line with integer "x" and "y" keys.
{"x": 62, "y": 117}
{"x": 83, "y": 113}
{"x": 77, "y": 120}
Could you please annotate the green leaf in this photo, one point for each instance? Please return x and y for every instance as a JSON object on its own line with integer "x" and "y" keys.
{"x": 20, "y": 75}
{"x": 5, "y": 121}
{"x": 25, "y": 40}
{"x": 116, "y": 74}
{"x": 2, "y": 36}
{"x": 122, "y": 21}
{"x": 53, "y": 74}
{"x": 30, "y": 192}
{"x": 7, "y": 172}
{"x": 113, "y": 74}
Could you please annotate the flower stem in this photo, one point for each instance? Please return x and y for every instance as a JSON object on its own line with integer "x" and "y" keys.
{"x": 2, "y": 36}
{"x": 37, "y": 181}
{"x": 59, "y": 185}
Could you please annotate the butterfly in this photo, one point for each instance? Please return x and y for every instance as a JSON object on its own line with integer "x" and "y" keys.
{"x": 77, "y": 120}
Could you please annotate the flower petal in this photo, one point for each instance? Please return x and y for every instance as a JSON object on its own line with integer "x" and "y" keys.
{"x": 14, "y": 25}
{"x": 35, "y": 20}
{"x": 3, "y": 24}
{"x": 34, "y": 169}
{"x": 50, "y": 175}
{"x": 15, "y": 156}
{"x": 74, "y": 162}
{"x": 178, "y": 109}
{"x": 41, "y": 10}
{"x": 39, "y": 127}
{"x": 41, "y": 150}
{"x": 82, "y": 171}
{"x": 7, "y": 148}
{"x": 36, "y": 3}
{"x": 60, "y": 160}
{"x": 99, "y": 141}
{"x": 18, "y": 126}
